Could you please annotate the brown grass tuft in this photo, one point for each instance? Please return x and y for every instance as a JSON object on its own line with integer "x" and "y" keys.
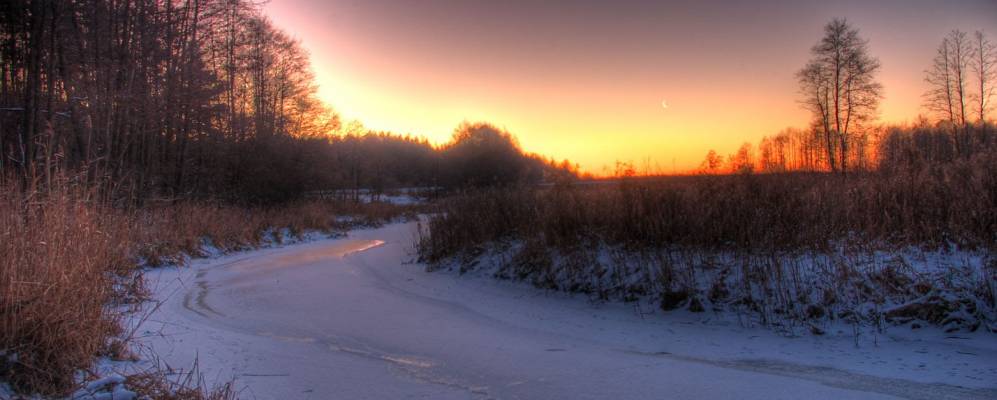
{"x": 58, "y": 258}
{"x": 163, "y": 383}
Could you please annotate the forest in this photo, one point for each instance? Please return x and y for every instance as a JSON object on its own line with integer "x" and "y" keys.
{"x": 201, "y": 99}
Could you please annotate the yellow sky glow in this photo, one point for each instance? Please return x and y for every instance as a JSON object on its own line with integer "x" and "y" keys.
{"x": 589, "y": 88}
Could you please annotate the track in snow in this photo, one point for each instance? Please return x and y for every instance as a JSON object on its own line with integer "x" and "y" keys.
{"x": 354, "y": 318}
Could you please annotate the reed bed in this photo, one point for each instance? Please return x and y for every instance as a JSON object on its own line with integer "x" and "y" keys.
{"x": 906, "y": 245}
{"x": 67, "y": 259}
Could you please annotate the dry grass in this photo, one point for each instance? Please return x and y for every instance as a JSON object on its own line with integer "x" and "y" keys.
{"x": 156, "y": 386}
{"x": 165, "y": 234}
{"x": 937, "y": 206}
{"x": 58, "y": 259}
{"x": 64, "y": 259}
{"x": 794, "y": 246}
{"x": 163, "y": 383}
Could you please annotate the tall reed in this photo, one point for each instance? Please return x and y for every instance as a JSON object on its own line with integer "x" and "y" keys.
{"x": 67, "y": 258}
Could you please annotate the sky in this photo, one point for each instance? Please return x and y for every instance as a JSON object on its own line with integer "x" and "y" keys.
{"x": 588, "y": 80}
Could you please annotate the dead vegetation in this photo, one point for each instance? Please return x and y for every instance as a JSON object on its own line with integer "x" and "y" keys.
{"x": 65, "y": 258}
{"x": 163, "y": 383}
{"x": 60, "y": 257}
{"x": 789, "y": 248}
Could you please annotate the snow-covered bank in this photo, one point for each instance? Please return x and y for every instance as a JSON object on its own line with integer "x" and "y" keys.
{"x": 355, "y": 317}
{"x": 795, "y": 293}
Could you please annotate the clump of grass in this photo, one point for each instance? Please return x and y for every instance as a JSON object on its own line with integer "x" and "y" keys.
{"x": 164, "y": 383}
{"x": 59, "y": 257}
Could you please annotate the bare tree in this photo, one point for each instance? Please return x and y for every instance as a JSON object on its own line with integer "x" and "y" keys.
{"x": 949, "y": 79}
{"x": 961, "y": 53}
{"x": 840, "y": 88}
{"x": 815, "y": 85}
{"x": 984, "y": 67}
{"x": 938, "y": 98}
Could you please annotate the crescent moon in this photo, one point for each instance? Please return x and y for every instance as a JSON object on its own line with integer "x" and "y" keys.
{"x": 664, "y": 104}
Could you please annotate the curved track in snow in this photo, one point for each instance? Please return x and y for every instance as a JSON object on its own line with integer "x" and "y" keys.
{"x": 355, "y": 318}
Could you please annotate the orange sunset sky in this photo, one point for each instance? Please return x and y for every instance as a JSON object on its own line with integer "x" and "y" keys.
{"x": 585, "y": 80}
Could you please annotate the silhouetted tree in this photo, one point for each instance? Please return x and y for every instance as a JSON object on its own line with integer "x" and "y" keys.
{"x": 480, "y": 154}
{"x": 949, "y": 77}
{"x": 712, "y": 164}
{"x": 984, "y": 67}
{"x": 962, "y": 79}
{"x": 940, "y": 98}
{"x": 742, "y": 162}
{"x": 839, "y": 87}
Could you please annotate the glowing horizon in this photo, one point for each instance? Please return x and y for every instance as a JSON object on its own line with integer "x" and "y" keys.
{"x": 586, "y": 81}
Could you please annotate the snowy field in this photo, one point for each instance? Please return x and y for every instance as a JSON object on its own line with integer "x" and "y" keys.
{"x": 356, "y": 317}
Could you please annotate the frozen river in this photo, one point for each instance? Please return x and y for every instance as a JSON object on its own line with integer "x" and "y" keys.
{"x": 356, "y": 318}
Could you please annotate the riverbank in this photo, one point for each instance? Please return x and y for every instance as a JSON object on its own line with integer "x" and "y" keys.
{"x": 358, "y": 317}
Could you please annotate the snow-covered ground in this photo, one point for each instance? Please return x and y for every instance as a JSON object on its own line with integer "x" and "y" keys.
{"x": 356, "y": 317}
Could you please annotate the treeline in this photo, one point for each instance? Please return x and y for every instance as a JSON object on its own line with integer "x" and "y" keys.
{"x": 181, "y": 98}
{"x": 886, "y": 147}
{"x": 478, "y": 155}
{"x": 165, "y": 97}
{"x": 839, "y": 87}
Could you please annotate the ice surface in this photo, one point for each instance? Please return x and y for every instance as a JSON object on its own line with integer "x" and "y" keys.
{"x": 356, "y": 318}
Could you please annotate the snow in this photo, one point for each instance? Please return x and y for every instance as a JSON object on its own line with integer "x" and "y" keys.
{"x": 356, "y": 317}
{"x": 110, "y": 387}
{"x": 793, "y": 292}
